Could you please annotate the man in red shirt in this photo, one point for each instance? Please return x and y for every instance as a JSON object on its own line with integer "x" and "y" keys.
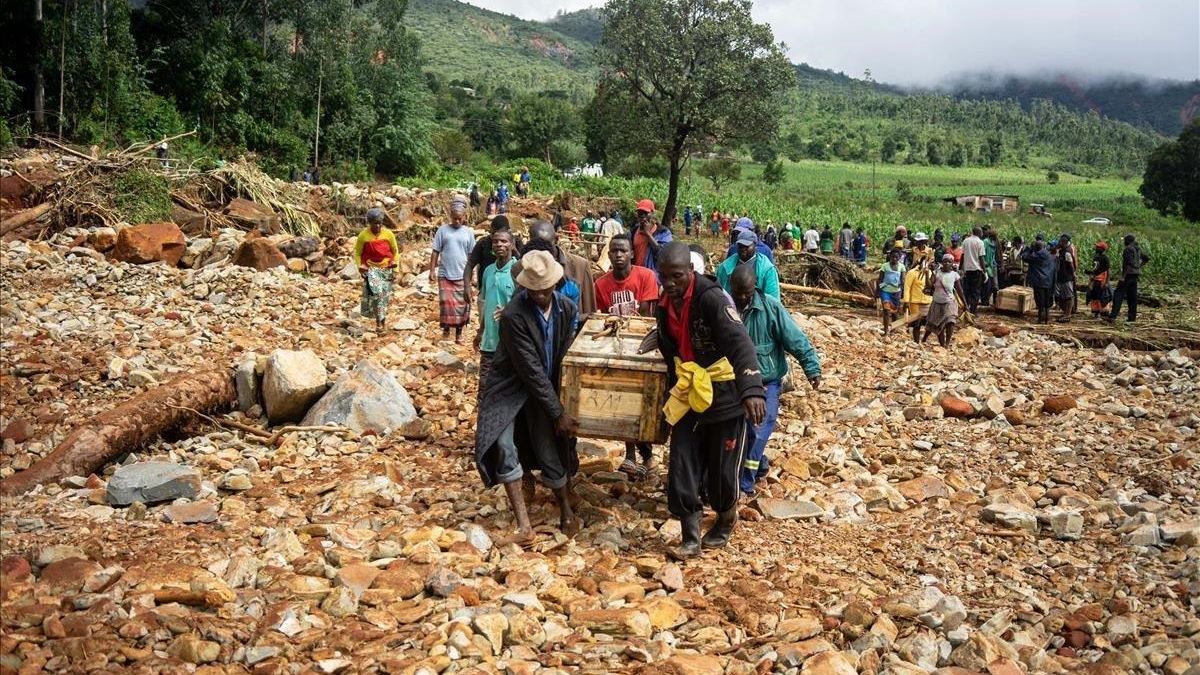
{"x": 649, "y": 236}
{"x": 628, "y": 290}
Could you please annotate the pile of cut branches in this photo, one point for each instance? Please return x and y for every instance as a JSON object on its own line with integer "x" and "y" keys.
{"x": 102, "y": 190}
{"x": 243, "y": 179}
{"x": 822, "y": 271}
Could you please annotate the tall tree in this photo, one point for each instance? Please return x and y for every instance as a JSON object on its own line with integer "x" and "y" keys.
{"x": 690, "y": 74}
{"x": 1171, "y": 184}
{"x": 537, "y": 122}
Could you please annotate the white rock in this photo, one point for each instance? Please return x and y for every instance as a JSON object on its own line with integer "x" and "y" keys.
{"x": 292, "y": 382}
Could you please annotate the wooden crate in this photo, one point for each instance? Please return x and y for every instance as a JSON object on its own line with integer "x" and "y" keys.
{"x": 1015, "y": 299}
{"x": 613, "y": 391}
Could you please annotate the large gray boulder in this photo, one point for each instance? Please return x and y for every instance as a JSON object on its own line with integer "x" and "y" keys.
{"x": 292, "y": 382}
{"x": 367, "y": 398}
{"x": 151, "y": 482}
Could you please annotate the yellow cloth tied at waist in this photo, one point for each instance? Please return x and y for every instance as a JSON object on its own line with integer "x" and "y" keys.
{"x": 693, "y": 388}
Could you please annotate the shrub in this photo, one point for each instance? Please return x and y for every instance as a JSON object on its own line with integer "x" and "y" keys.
{"x": 141, "y": 196}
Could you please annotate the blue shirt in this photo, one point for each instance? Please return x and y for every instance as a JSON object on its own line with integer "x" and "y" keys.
{"x": 547, "y": 325}
{"x": 453, "y": 246}
{"x": 893, "y": 277}
{"x": 860, "y": 247}
{"x": 498, "y": 289}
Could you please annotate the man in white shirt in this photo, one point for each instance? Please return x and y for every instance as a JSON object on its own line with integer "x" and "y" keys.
{"x": 812, "y": 240}
{"x": 972, "y": 268}
{"x": 609, "y": 226}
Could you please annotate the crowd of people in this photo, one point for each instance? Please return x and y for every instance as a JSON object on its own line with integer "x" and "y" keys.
{"x": 927, "y": 279}
{"x": 497, "y": 200}
{"x": 725, "y": 337}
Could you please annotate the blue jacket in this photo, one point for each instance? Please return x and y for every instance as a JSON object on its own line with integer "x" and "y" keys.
{"x": 775, "y": 335}
{"x": 1040, "y": 273}
{"x": 663, "y": 236}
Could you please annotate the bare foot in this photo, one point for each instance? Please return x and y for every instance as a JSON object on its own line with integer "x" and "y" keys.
{"x": 523, "y": 537}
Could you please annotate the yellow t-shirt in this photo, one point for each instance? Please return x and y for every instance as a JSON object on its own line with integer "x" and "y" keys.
{"x": 914, "y": 289}
{"x": 366, "y": 237}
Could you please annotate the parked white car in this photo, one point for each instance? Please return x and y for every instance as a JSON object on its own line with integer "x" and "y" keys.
{"x": 1097, "y": 221}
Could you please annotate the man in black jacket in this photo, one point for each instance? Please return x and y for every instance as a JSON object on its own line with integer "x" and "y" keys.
{"x": 717, "y": 393}
{"x": 1132, "y": 260}
{"x": 522, "y": 426}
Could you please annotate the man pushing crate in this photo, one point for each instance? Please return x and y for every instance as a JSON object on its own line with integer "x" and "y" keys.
{"x": 716, "y": 394}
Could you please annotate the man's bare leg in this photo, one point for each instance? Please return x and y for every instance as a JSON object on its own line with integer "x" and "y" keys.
{"x": 567, "y": 521}
{"x": 529, "y": 488}
{"x": 524, "y": 533}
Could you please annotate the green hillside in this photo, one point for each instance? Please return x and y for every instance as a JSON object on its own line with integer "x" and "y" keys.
{"x": 1163, "y": 105}
{"x": 586, "y": 25}
{"x": 461, "y": 42}
{"x": 831, "y": 115}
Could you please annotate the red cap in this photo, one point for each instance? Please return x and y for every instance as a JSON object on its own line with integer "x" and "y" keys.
{"x": 646, "y": 205}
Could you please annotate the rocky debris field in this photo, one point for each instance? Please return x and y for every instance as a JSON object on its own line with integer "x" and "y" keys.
{"x": 1011, "y": 505}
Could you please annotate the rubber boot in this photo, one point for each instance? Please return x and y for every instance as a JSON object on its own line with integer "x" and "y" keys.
{"x": 722, "y": 529}
{"x": 690, "y": 546}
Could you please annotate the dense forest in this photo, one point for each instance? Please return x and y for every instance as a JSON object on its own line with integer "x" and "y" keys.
{"x": 402, "y": 88}
{"x": 292, "y": 81}
{"x": 864, "y": 125}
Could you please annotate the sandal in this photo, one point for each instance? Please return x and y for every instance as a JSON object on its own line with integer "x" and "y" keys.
{"x": 633, "y": 470}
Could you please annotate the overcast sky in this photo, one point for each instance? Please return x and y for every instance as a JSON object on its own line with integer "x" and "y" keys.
{"x": 926, "y": 41}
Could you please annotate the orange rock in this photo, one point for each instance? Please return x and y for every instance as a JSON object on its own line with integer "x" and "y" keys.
{"x": 253, "y": 214}
{"x": 953, "y": 406}
{"x": 150, "y": 242}
{"x": 259, "y": 253}
{"x": 1054, "y": 405}
{"x": 1014, "y": 417}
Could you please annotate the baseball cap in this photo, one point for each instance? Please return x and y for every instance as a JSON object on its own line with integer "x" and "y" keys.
{"x": 747, "y": 238}
{"x": 646, "y": 205}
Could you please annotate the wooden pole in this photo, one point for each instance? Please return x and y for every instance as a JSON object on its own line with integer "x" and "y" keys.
{"x": 62, "y": 67}
{"x": 130, "y": 425}
{"x": 39, "y": 79}
{"x": 317, "y": 136}
{"x": 24, "y": 217}
{"x": 854, "y": 298}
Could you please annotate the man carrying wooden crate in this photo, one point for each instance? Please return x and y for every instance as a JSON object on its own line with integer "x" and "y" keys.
{"x": 522, "y": 426}
{"x": 628, "y": 290}
{"x": 716, "y": 394}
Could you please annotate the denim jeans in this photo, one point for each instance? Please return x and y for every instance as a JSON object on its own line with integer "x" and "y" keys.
{"x": 755, "y": 465}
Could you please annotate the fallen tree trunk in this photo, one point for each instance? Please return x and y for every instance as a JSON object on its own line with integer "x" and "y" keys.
{"x": 23, "y": 217}
{"x": 127, "y": 427}
{"x": 856, "y": 298}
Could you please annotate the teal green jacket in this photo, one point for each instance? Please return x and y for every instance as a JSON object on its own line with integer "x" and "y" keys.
{"x": 775, "y": 335}
{"x": 764, "y": 270}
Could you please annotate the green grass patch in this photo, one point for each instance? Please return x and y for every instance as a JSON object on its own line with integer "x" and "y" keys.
{"x": 141, "y": 196}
